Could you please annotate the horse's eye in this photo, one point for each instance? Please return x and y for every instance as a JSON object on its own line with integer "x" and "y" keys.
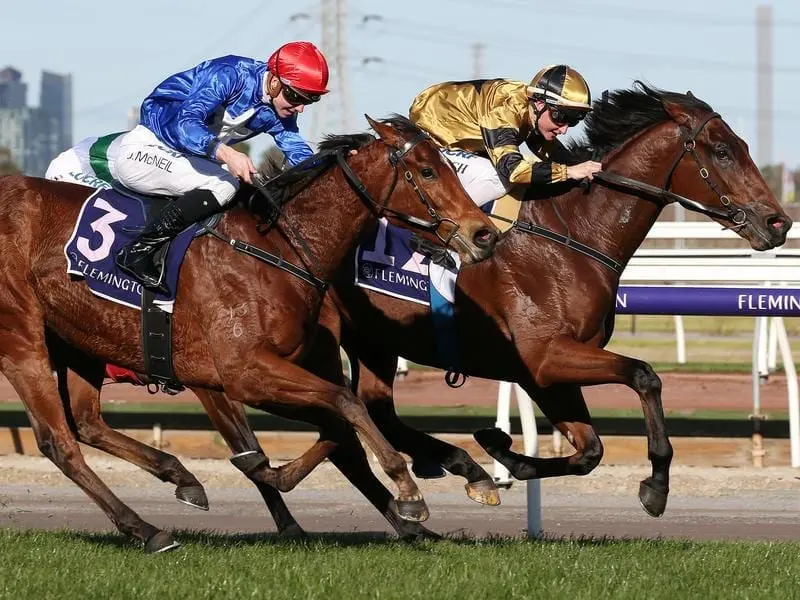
{"x": 722, "y": 153}
{"x": 427, "y": 173}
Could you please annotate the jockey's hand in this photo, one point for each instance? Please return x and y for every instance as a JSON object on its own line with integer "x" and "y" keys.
{"x": 239, "y": 164}
{"x": 584, "y": 170}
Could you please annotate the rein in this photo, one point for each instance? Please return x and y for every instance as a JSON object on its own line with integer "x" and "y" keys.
{"x": 396, "y": 159}
{"x": 731, "y": 213}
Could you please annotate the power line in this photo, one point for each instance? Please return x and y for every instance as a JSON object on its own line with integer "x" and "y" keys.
{"x": 649, "y": 15}
{"x": 447, "y": 36}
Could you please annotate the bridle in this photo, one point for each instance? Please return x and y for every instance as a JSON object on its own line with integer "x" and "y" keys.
{"x": 397, "y": 160}
{"x": 730, "y": 212}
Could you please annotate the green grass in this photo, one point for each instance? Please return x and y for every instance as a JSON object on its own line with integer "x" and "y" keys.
{"x": 74, "y": 565}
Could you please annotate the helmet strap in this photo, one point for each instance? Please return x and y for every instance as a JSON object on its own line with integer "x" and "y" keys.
{"x": 537, "y": 112}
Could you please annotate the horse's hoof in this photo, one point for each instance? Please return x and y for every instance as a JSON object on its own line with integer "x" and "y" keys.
{"x": 484, "y": 492}
{"x": 493, "y": 440}
{"x": 193, "y": 495}
{"x": 427, "y": 469}
{"x": 293, "y": 530}
{"x": 161, "y": 542}
{"x": 653, "y": 500}
{"x": 412, "y": 510}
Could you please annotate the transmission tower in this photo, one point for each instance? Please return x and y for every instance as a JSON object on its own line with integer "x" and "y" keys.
{"x": 319, "y": 118}
{"x": 341, "y": 65}
{"x": 764, "y": 84}
{"x": 477, "y": 60}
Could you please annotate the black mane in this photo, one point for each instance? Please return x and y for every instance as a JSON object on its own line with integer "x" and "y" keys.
{"x": 621, "y": 114}
{"x": 286, "y": 182}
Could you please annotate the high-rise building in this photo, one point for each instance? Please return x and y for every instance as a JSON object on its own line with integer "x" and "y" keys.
{"x": 12, "y": 91}
{"x": 35, "y": 136}
{"x": 56, "y": 101}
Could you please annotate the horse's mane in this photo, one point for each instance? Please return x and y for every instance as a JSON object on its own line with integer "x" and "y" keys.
{"x": 619, "y": 115}
{"x": 285, "y": 183}
{"x": 311, "y": 168}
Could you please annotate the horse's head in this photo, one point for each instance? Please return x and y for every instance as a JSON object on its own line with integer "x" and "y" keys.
{"x": 712, "y": 166}
{"x": 426, "y": 194}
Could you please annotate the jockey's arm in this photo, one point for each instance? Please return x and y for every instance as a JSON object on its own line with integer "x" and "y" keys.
{"x": 289, "y": 141}
{"x": 501, "y": 130}
{"x": 190, "y": 123}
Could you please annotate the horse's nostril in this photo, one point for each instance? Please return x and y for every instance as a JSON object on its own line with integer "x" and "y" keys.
{"x": 779, "y": 224}
{"x": 485, "y": 238}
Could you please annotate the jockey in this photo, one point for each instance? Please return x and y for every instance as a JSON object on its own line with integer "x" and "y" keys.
{"x": 182, "y": 142}
{"x": 481, "y": 125}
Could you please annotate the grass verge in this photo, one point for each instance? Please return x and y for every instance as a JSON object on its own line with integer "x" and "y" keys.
{"x": 77, "y": 565}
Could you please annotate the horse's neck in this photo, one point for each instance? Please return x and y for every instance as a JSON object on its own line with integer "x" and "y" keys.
{"x": 328, "y": 216}
{"x": 613, "y": 222}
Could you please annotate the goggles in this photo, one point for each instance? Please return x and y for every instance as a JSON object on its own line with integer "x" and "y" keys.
{"x": 296, "y": 97}
{"x": 563, "y": 116}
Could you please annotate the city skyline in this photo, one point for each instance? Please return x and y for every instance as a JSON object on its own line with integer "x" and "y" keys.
{"x": 35, "y": 135}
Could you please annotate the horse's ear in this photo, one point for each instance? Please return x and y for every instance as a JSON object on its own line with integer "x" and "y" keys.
{"x": 689, "y": 93}
{"x": 677, "y": 112}
{"x": 372, "y": 122}
{"x": 386, "y": 132}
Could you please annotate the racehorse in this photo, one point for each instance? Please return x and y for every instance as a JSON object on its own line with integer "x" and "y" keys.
{"x": 541, "y": 309}
{"x": 44, "y": 316}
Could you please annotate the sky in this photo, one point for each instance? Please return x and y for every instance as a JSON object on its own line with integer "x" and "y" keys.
{"x": 118, "y": 52}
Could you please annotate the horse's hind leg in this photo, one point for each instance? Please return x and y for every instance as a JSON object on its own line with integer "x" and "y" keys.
{"x": 79, "y": 387}
{"x": 230, "y": 421}
{"x": 27, "y": 367}
{"x": 565, "y": 407}
{"x": 375, "y": 390}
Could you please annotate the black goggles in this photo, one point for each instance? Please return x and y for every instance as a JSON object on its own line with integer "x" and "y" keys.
{"x": 562, "y": 116}
{"x": 296, "y": 97}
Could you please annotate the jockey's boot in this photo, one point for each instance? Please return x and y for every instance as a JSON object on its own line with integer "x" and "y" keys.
{"x": 137, "y": 258}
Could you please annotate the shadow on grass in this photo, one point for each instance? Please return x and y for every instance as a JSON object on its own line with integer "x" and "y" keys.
{"x": 318, "y": 541}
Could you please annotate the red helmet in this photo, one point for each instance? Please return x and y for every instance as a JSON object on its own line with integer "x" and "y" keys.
{"x": 300, "y": 65}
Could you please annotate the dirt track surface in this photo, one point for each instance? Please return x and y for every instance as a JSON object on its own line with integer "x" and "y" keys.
{"x": 705, "y": 503}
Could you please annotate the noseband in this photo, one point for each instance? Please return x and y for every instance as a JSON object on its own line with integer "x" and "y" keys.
{"x": 397, "y": 160}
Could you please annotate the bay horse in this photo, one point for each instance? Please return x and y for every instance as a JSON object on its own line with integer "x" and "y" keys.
{"x": 539, "y": 311}
{"x": 44, "y": 316}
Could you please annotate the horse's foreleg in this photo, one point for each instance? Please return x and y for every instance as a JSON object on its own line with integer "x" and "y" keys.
{"x": 569, "y": 361}
{"x": 230, "y": 421}
{"x": 565, "y": 407}
{"x": 351, "y": 460}
{"x": 267, "y": 381}
{"x": 375, "y": 390}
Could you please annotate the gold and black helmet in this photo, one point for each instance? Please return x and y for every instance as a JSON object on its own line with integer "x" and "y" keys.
{"x": 561, "y": 86}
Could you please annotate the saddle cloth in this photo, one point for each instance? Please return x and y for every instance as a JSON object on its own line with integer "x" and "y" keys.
{"x": 107, "y": 221}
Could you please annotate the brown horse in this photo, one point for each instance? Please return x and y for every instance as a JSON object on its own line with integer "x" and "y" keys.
{"x": 402, "y": 176}
{"x": 539, "y": 312}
